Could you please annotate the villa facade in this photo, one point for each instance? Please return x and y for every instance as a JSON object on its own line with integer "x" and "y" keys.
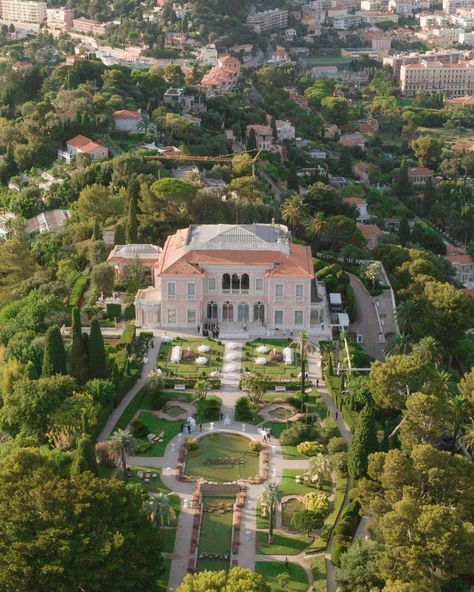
{"x": 248, "y": 277}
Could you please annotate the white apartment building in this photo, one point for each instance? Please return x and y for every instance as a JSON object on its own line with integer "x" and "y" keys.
{"x": 408, "y": 7}
{"x": 453, "y": 80}
{"x": 60, "y": 19}
{"x": 371, "y": 5}
{"x": 268, "y": 20}
{"x": 449, "y": 56}
{"x": 208, "y": 55}
{"x": 18, "y": 11}
{"x": 451, "y": 6}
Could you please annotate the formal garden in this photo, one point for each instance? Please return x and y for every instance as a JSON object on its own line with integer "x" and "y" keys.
{"x": 190, "y": 358}
{"x": 276, "y": 360}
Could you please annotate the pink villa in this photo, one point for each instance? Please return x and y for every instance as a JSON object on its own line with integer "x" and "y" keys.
{"x": 246, "y": 276}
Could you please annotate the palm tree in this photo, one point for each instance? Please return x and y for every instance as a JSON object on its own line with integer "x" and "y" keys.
{"x": 316, "y": 225}
{"x": 318, "y": 466}
{"x": 159, "y": 509}
{"x": 271, "y": 496}
{"x": 293, "y": 211}
{"x": 407, "y": 314}
{"x": 121, "y": 443}
{"x": 305, "y": 346}
{"x": 467, "y": 439}
{"x": 427, "y": 350}
{"x": 398, "y": 343}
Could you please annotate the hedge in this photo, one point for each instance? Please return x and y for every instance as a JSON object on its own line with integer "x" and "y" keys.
{"x": 128, "y": 336}
{"x": 121, "y": 361}
{"x": 190, "y": 382}
{"x": 340, "y": 544}
{"x": 129, "y": 312}
{"x": 78, "y": 290}
{"x": 114, "y": 311}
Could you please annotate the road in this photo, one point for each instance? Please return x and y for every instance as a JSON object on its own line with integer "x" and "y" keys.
{"x": 366, "y": 322}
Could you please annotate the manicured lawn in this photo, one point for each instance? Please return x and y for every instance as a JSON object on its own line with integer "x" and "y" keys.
{"x": 213, "y": 459}
{"x": 282, "y": 544}
{"x": 188, "y": 367}
{"x": 155, "y": 485}
{"x": 318, "y": 544}
{"x": 216, "y": 532}
{"x": 273, "y": 369}
{"x": 156, "y": 426}
{"x": 290, "y": 486}
{"x": 318, "y": 565}
{"x": 162, "y": 583}
{"x": 168, "y": 536}
{"x": 271, "y": 569}
{"x": 289, "y": 452}
{"x": 325, "y": 60}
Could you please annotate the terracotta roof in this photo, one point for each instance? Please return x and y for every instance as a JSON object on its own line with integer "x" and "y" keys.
{"x": 260, "y": 130}
{"x": 462, "y": 259}
{"x": 83, "y": 144}
{"x": 369, "y": 230}
{"x": 420, "y": 172}
{"x": 126, "y": 114}
{"x": 469, "y": 292}
{"x": 176, "y": 260}
{"x": 354, "y": 201}
{"x": 467, "y": 100}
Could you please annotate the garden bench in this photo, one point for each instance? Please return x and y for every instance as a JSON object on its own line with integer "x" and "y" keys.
{"x": 179, "y": 387}
{"x": 280, "y": 389}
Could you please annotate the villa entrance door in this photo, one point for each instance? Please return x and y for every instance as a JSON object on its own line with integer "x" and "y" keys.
{"x": 259, "y": 313}
{"x": 243, "y": 312}
{"x": 228, "y": 312}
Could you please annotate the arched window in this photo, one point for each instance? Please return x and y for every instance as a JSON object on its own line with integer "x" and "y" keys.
{"x": 212, "y": 311}
{"x": 259, "y": 312}
{"x": 226, "y": 281}
{"x": 243, "y": 312}
{"x": 235, "y": 282}
{"x": 228, "y": 311}
{"x": 245, "y": 282}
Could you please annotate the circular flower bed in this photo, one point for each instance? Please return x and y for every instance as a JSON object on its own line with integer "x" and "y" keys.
{"x": 262, "y": 349}
{"x": 202, "y": 349}
{"x": 261, "y": 361}
{"x": 202, "y": 360}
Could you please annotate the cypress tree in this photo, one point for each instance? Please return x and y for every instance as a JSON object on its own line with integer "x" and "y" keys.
{"x": 404, "y": 231}
{"x": 132, "y": 223}
{"x": 274, "y": 129}
{"x": 119, "y": 234}
{"x": 78, "y": 368}
{"x": 54, "y": 355}
{"x": 97, "y": 359}
{"x": 363, "y": 443}
{"x": 97, "y": 232}
{"x": 252, "y": 140}
{"x": 84, "y": 458}
{"x": 345, "y": 162}
{"x": 428, "y": 197}
{"x": 403, "y": 184}
{"x": 292, "y": 183}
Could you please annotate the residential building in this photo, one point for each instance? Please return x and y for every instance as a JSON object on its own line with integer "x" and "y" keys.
{"x": 222, "y": 78}
{"x": 352, "y": 140}
{"x": 451, "y": 6}
{"x": 122, "y": 256}
{"x": 407, "y": 8}
{"x": 361, "y": 206}
{"x": 268, "y": 20}
{"x": 175, "y": 40}
{"x": 263, "y": 135}
{"x": 82, "y": 145}
{"x": 285, "y": 130}
{"x": 374, "y": 5}
{"x": 419, "y": 175}
{"x": 208, "y": 55}
{"x": 372, "y": 234}
{"x": 51, "y": 221}
{"x": 88, "y": 26}
{"x": 379, "y": 40}
{"x": 376, "y": 17}
{"x": 454, "y": 80}
{"x": 60, "y": 19}
{"x": 449, "y": 56}
{"x": 241, "y": 276}
{"x": 344, "y": 22}
{"x": 462, "y": 263}
{"x": 280, "y": 56}
{"x": 466, "y": 102}
{"x": 127, "y": 121}
{"x": 22, "y": 11}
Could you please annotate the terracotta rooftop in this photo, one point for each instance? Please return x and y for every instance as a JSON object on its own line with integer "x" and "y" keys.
{"x": 420, "y": 172}
{"x": 126, "y": 114}
{"x": 354, "y": 201}
{"x": 83, "y": 144}
{"x": 369, "y": 230}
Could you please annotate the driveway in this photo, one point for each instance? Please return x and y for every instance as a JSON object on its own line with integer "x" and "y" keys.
{"x": 366, "y": 322}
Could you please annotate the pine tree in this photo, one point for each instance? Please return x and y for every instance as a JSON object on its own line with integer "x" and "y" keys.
{"x": 54, "y": 355}
{"x": 78, "y": 367}
{"x": 404, "y": 232}
{"x": 97, "y": 359}
{"x": 97, "y": 232}
{"x": 363, "y": 443}
{"x": 119, "y": 234}
{"x": 252, "y": 140}
{"x": 132, "y": 223}
{"x": 84, "y": 458}
{"x": 292, "y": 183}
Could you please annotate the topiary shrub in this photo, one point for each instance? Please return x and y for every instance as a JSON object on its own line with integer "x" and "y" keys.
{"x": 139, "y": 429}
{"x": 340, "y": 544}
{"x": 297, "y": 433}
{"x": 309, "y": 448}
{"x": 244, "y": 409}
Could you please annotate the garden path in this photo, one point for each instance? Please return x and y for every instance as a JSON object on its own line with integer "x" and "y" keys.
{"x": 117, "y": 412}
